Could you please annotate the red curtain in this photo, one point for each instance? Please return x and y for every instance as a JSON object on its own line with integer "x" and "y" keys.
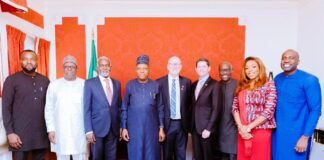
{"x": 13, "y": 5}
{"x": 15, "y": 40}
{"x": 43, "y": 56}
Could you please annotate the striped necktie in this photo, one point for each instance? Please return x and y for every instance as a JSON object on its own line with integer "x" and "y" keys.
{"x": 173, "y": 99}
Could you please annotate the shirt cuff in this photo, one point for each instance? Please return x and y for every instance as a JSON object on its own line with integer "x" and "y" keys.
{"x": 90, "y": 132}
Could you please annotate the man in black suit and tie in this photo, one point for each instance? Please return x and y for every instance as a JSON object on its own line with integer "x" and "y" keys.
{"x": 102, "y": 102}
{"x": 205, "y": 111}
{"x": 176, "y": 97}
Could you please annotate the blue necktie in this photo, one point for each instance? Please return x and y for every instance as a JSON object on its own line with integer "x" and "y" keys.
{"x": 173, "y": 100}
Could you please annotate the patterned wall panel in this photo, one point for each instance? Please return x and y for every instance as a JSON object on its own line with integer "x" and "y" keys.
{"x": 218, "y": 39}
{"x": 70, "y": 40}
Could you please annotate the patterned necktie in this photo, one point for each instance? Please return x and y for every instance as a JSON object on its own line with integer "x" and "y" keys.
{"x": 173, "y": 99}
{"x": 108, "y": 90}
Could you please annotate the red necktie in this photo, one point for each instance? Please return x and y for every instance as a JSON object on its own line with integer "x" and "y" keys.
{"x": 108, "y": 91}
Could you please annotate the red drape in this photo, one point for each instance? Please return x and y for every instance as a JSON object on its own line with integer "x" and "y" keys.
{"x": 43, "y": 57}
{"x": 15, "y": 40}
{"x": 13, "y": 5}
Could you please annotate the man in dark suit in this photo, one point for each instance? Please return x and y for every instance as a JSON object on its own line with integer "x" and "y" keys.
{"x": 205, "y": 110}
{"x": 176, "y": 97}
{"x": 102, "y": 102}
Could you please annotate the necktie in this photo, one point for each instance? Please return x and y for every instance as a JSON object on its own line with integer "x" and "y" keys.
{"x": 198, "y": 88}
{"x": 108, "y": 90}
{"x": 173, "y": 99}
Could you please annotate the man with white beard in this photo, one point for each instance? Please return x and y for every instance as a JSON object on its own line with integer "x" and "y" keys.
{"x": 64, "y": 114}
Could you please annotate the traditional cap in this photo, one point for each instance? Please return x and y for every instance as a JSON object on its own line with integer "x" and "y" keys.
{"x": 143, "y": 59}
{"x": 69, "y": 58}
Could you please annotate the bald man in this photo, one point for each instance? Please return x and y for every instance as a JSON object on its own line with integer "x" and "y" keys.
{"x": 298, "y": 109}
{"x": 176, "y": 97}
{"x": 227, "y": 127}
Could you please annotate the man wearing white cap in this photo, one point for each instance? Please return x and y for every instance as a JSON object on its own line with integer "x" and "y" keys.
{"x": 64, "y": 113}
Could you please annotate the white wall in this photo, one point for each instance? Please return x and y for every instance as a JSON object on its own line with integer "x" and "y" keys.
{"x": 311, "y": 40}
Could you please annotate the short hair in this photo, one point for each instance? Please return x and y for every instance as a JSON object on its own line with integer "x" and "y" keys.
{"x": 203, "y": 60}
{"x": 103, "y": 58}
{"x": 291, "y": 50}
{"x": 27, "y": 50}
{"x": 226, "y": 63}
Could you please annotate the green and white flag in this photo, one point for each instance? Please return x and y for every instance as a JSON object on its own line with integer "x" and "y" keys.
{"x": 93, "y": 62}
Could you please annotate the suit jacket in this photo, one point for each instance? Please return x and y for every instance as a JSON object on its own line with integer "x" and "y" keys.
{"x": 99, "y": 115}
{"x": 206, "y": 109}
{"x": 185, "y": 89}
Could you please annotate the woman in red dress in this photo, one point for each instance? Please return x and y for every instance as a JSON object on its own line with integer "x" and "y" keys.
{"x": 253, "y": 109}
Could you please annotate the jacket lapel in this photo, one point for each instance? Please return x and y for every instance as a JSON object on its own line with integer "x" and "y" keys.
{"x": 114, "y": 92}
{"x": 182, "y": 89}
{"x": 203, "y": 88}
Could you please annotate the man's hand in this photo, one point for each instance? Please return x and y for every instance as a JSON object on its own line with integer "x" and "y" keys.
{"x": 14, "y": 140}
{"x": 91, "y": 138}
{"x": 301, "y": 145}
{"x": 125, "y": 135}
{"x": 205, "y": 134}
{"x": 51, "y": 137}
{"x": 161, "y": 135}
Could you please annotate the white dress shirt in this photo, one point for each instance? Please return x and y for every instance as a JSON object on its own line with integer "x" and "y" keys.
{"x": 103, "y": 83}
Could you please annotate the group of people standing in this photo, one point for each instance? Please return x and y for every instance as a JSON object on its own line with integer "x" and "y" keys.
{"x": 253, "y": 118}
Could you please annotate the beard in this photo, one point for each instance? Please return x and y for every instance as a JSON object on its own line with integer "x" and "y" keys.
{"x": 104, "y": 74}
{"x": 29, "y": 71}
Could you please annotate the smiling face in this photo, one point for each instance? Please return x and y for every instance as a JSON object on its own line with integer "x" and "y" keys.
{"x": 251, "y": 69}
{"x": 142, "y": 71}
{"x": 225, "y": 72}
{"x": 70, "y": 70}
{"x": 174, "y": 66}
{"x": 104, "y": 67}
{"x": 289, "y": 62}
{"x": 202, "y": 68}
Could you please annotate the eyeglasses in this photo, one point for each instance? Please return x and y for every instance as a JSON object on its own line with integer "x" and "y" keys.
{"x": 174, "y": 64}
{"x": 69, "y": 67}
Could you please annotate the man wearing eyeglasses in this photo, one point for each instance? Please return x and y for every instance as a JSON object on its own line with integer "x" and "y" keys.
{"x": 176, "y": 97}
{"x": 64, "y": 113}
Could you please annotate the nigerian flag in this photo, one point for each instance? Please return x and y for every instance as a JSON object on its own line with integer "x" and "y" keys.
{"x": 93, "y": 62}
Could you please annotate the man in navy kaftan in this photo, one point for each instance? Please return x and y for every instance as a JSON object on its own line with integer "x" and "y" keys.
{"x": 142, "y": 115}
